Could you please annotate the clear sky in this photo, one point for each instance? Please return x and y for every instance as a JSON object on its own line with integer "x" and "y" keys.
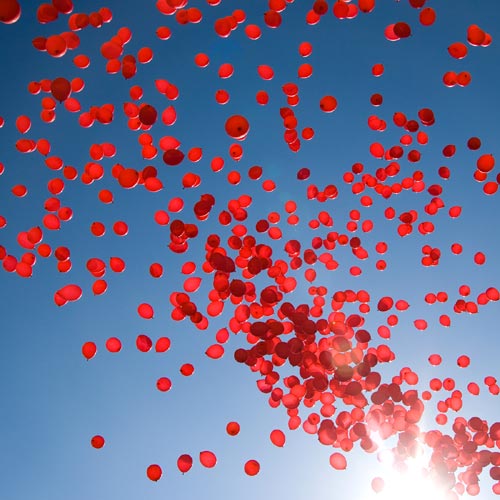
{"x": 54, "y": 400}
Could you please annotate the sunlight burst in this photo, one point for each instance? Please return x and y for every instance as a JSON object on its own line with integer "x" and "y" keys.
{"x": 413, "y": 482}
{"x": 411, "y": 485}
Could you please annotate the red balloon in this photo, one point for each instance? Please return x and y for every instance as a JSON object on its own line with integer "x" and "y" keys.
{"x": 208, "y": 459}
{"x": 89, "y": 350}
{"x": 278, "y": 438}
{"x": 148, "y": 115}
{"x": 156, "y": 270}
{"x": 154, "y": 472}
{"x": 23, "y": 124}
{"x": 328, "y": 104}
{"x": 474, "y": 143}
{"x": 252, "y": 467}
{"x": 184, "y": 463}
{"x": 272, "y": 18}
{"x": 173, "y": 157}
{"x": 70, "y": 292}
{"x": 10, "y": 11}
{"x": 162, "y": 344}
{"x": 97, "y": 441}
{"x": 233, "y": 428}
{"x": 402, "y": 30}
{"x": 390, "y": 34}
{"x": 435, "y": 359}
{"x": 143, "y": 343}
{"x": 117, "y": 264}
{"x": 56, "y": 46}
{"x": 265, "y": 72}
{"x": 145, "y": 311}
{"x": 164, "y": 384}
{"x": 427, "y": 16}
{"x": 338, "y": 461}
{"x": 463, "y": 361}
{"x": 237, "y": 127}
{"x": 457, "y": 50}
{"x": 113, "y": 344}
{"x": 366, "y": 5}
{"x": 305, "y": 49}
{"x": 60, "y": 89}
{"x": 128, "y": 178}
{"x": 64, "y": 6}
{"x": 215, "y": 351}
{"x": 485, "y": 163}
{"x": 187, "y": 369}
{"x": 252, "y": 31}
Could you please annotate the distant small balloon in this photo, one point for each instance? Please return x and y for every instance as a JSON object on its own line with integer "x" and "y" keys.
{"x": 252, "y": 467}
{"x": 154, "y": 472}
{"x": 97, "y": 441}
{"x": 184, "y": 463}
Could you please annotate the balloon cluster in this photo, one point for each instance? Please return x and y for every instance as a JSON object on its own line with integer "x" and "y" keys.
{"x": 320, "y": 356}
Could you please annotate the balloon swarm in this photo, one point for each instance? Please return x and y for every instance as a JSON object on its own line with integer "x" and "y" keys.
{"x": 268, "y": 244}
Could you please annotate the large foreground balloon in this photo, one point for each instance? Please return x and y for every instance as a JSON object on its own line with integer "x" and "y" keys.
{"x": 10, "y": 11}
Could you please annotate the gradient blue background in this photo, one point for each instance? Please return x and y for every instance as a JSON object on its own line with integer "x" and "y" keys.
{"x": 53, "y": 401}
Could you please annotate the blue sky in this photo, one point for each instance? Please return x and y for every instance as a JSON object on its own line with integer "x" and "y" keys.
{"x": 54, "y": 401}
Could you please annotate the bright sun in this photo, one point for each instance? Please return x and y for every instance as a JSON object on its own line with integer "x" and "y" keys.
{"x": 412, "y": 484}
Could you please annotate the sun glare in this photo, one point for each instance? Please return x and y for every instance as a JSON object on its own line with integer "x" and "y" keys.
{"x": 412, "y": 483}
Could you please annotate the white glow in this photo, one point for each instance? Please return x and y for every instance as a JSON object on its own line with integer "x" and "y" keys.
{"x": 412, "y": 484}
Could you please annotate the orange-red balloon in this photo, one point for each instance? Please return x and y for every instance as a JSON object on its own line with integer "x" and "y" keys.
{"x": 237, "y": 127}
{"x": 154, "y": 472}
{"x": 252, "y": 467}
{"x": 10, "y": 11}
{"x": 97, "y": 442}
{"x": 184, "y": 463}
{"x": 208, "y": 459}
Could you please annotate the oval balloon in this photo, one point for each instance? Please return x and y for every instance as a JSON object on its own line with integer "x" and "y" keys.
{"x": 184, "y": 463}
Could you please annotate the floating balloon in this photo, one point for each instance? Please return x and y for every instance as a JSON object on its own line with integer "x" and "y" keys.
{"x": 215, "y": 351}
{"x": 148, "y": 115}
{"x": 208, "y": 459}
{"x": 10, "y": 11}
{"x": 163, "y": 384}
{"x": 113, "y": 344}
{"x": 187, "y": 369}
{"x": 89, "y": 350}
{"x": 184, "y": 463}
{"x": 328, "y": 104}
{"x": 173, "y": 157}
{"x": 56, "y": 46}
{"x": 233, "y": 428}
{"x": 97, "y": 442}
{"x": 23, "y": 124}
{"x": 60, "y": 89}
{"x": 237, "y": 127}
{"x": 338, "y": 461}
{"x": 202, "y": 60}
{"x": 145, "y": 311}
{"x": 143, "y": 343}
{"x": 252, "y": 467}
{"x": 154, "y": 472}
{"x": 69, "y": 293}
{"x": 278, "y": 438}
{"x": 162, "y": 344}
